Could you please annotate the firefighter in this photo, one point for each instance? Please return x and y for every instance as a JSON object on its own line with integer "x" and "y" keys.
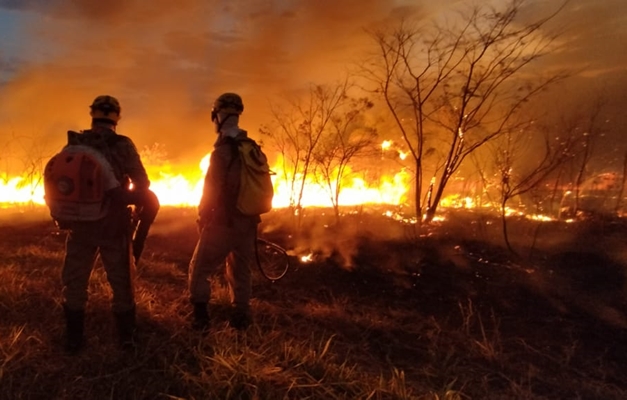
{"x": 109, "y": 237}
{"x": 226, "y": 235}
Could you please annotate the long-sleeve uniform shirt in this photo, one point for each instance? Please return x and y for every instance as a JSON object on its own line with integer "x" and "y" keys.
{"x": 124, "y": 157}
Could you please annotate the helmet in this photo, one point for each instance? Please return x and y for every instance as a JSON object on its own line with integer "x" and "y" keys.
{"x": 106, "y": 107}
{"x": 229, "y": 103}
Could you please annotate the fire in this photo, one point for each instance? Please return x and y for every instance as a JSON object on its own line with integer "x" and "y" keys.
{"x": 178, "y": 189}
{"x": 184, "y": 188}
{"x": 356, "y": 191}
{"x": 457, "y": 201}
{"x": 18, "y": 189}
{"x": 307, "y": 258}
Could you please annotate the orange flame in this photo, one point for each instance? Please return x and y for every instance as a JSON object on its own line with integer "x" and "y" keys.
{"x": 184, "y": 188}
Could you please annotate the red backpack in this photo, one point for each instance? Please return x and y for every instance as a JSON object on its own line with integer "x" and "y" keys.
{"x": 77, "y": 181}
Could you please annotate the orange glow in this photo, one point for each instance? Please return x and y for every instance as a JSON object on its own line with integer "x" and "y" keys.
{"x": 307, "y": 258}
{"x": 184, "y": 188}
{"x": 389, "y": 190}
{"x": 18, "y": 190}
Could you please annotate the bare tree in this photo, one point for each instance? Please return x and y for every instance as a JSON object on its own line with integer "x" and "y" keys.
{"x": 457, "y": 87}
{"x": 27, "y": 155}
{"x": 296, "y": 129}
{"x": 584, "y": 123}
{"x": 348, "y": 136}
{"x": 589, "y": 124}
{"x": 9, "y": 156}
{"x": 522, "y": 167}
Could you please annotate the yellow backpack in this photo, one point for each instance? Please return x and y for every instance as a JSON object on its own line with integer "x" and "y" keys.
{"x": 256, "y": 190}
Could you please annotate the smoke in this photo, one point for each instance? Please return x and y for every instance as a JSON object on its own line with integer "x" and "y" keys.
{"x": 166, "y": 61}
{"x": 317, "y": 235}
{"x": 592, "y": 36}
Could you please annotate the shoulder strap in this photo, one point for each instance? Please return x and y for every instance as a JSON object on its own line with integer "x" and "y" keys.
{"x": 233, "y": 143}
{"x": 103, "y": 144}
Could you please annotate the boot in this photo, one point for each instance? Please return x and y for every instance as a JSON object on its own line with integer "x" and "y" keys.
{"x": 125, "y": 323}
{"x": 74, "y": 328}
{"x": 241, "y": 318}
{"x": 201, "y": 317}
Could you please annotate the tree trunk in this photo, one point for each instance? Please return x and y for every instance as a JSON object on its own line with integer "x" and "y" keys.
{"x": 418, "y": 191}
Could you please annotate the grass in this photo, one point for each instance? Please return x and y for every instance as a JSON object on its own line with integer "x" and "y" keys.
{"x": 378, "y": 316}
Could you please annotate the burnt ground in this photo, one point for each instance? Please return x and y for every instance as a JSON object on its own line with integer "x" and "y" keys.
{"x": 444, "y": 303}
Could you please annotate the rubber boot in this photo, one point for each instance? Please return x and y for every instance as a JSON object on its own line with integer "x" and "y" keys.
{"x": 74, "y": 330}
{"x": 201, "y": 317}
{"x": 241, "y": 318}
{"x": 125, "y": 323}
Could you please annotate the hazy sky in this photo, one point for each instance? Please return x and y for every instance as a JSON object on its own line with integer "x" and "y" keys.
{"x": 167, "y": 60}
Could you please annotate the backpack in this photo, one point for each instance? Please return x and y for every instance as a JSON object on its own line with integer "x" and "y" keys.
{"x": 78, "y": 179}
{"x": 256, "y": 190}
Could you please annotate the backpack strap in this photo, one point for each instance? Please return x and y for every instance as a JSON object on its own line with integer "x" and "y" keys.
{"x": 103, "y": 143}
{"x": 233, "y": 143}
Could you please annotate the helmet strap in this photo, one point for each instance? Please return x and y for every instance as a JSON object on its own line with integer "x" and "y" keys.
{"x": 106, "y": 121}
{"x": 221, "y": 123}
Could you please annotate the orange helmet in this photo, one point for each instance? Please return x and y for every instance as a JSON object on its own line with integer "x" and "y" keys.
{"x": 106, "y": 107}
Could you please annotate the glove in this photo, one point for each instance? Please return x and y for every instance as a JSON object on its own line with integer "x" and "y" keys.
{"x": 149, "y": 206}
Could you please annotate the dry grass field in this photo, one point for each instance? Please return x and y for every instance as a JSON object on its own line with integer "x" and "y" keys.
{"x": 378, "y": 310}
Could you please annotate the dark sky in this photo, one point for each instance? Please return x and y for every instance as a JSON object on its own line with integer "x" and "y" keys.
{"x": 167, "y": 60}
